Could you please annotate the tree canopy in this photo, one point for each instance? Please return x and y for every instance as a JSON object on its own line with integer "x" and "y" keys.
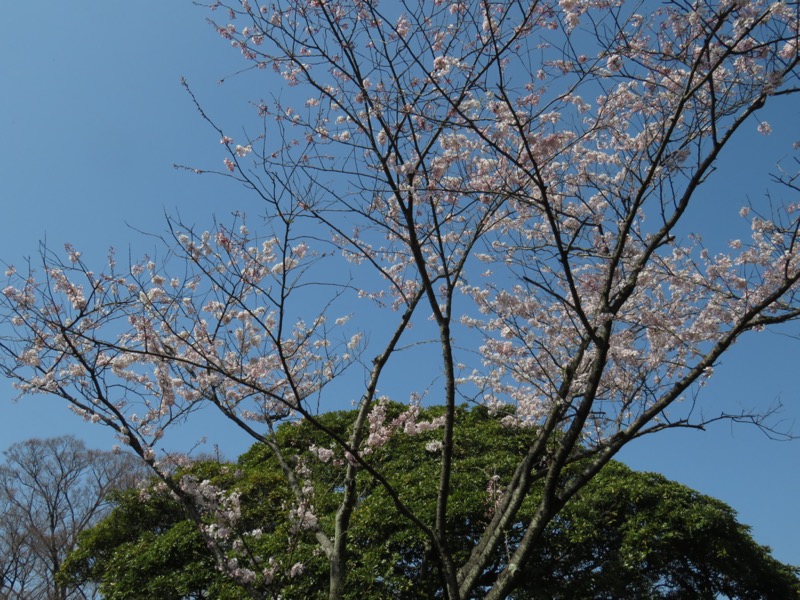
{"x": 626, "y": 535}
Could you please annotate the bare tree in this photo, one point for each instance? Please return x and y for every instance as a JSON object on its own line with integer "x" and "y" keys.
{"x": 510, "y": 177}
{"x": 50, "y": 491}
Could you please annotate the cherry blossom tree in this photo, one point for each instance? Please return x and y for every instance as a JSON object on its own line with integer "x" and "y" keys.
{"x": 510, "y": 178}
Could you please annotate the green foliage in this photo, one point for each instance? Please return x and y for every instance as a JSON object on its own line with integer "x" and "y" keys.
{"x": 626, "y": 535}
{"x": 144, "y": 549}
{"x": 639, "y": 535}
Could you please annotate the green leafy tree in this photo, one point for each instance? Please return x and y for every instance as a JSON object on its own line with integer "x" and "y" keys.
{"x": 627, "y": 535}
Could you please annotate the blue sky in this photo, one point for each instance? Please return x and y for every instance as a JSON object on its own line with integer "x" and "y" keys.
{"x": 92, "y": 118}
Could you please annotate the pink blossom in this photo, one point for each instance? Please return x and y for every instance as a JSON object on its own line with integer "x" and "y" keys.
{"x": 614, "y": 63}
{"x": 434, "y": 446}
{"x": 403, "y": 26}
{"x": 324, "y": 454}
{"x": 789, "y": 50}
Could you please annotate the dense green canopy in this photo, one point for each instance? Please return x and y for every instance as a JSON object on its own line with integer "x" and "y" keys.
{"x": 627, "y": 535}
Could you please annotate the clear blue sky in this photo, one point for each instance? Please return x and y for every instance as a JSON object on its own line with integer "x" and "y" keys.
{"x": 92, "y": 117}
